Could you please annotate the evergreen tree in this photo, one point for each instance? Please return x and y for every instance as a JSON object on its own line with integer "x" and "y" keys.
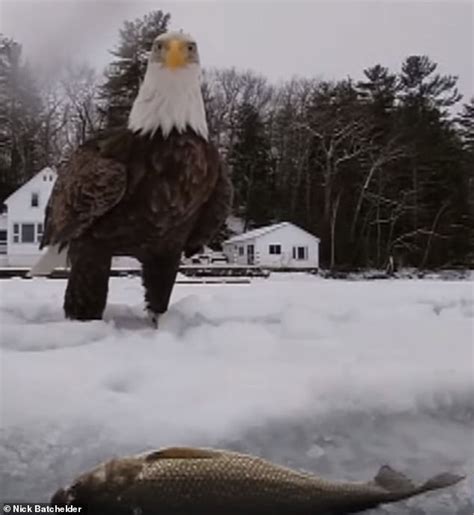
{"x": 466, "y": 126}
{"x": 466, "y": 131}
{"x": 291, "y": 146}
{"x": 370, "y": 231}
{"x": 124, "y": 74}
{"x": 423, "y": 90}
{"x": 340, "y": 137}
{"x": 431, "y": 177}
{"x": 251, "y": 165}
{"x": 378, "y": 91}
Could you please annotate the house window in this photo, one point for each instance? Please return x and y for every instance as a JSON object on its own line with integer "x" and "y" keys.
{"x": 27, "y": 233}
{"x": 45, "y": 178}
{"x": 39, "y": 232}
{"x": 34, "y": 200}
{"x": 241, "y": 251}
{"x": 16, "y": 233}
{"x": 274, "y": 249}
{"x": 300, "y": 253}
{"x": 3, "y": 242}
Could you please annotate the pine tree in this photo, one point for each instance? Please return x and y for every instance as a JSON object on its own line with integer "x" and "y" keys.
{"x": 124, "y": 74}
{"x": 378, "y": 91}
{"x": 422, "y": 89}
{"x": 465, "y": 122}
{"x": 431, "y": 178}
{"x": 338, "y": 123}
{"x": 375, "y": 199}
{"x": 251, "y": 165}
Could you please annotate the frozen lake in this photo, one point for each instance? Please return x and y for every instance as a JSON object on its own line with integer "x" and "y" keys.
{"x": 334, "y": 377}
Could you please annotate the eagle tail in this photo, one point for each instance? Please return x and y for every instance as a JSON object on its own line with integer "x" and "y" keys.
{"x": 51, "y": 258}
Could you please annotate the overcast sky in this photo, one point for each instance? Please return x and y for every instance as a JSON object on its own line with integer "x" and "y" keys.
{"x": 278, "y": 39}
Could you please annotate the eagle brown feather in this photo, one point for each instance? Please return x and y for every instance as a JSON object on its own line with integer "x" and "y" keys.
{"x": 122, "y": 194}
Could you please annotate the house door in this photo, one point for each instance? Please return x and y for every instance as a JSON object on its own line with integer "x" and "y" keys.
{"x": 250, "y": 254}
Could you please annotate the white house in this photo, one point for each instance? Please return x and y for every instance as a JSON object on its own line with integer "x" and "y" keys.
{"x": 21, "y": 227}
{"x": 25, "y": 217}
{"x": 282, "y": 245}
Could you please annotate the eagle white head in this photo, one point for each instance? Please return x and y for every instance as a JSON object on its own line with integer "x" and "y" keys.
{"x": 170, "y": 95}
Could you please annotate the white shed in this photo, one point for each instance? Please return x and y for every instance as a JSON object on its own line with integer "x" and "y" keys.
{"x": 25, "y": 217}
{"x": 282, "y": 245}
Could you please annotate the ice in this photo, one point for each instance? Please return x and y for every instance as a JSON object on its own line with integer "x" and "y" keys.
{"x": 335, "y": 377}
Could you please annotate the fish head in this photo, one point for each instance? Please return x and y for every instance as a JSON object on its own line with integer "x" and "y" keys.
{"x": 107, "y": 479}
{"x": 91, "y": 482}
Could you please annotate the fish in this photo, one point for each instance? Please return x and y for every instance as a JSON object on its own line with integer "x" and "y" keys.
{"x": 202, "y": 481}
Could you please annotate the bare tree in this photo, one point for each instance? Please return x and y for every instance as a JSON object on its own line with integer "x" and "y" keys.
{"x": 70, "y": 113}
{"x": 80, "y": 87}
{"x": 377, "y": 158}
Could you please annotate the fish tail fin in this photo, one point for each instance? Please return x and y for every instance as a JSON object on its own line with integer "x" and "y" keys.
{"x": 397, "y": 483}
{"x": 53, "y": 257}
{"x": 441, "y": 481}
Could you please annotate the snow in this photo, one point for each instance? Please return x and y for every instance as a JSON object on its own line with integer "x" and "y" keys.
{"x": 334, "y": 377}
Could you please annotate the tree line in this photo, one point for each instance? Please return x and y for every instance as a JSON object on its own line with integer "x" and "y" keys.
{"x": 381, "y": 169}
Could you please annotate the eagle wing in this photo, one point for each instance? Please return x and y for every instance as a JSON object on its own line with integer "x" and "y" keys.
{"x": 215, "y": 210}
{"x": 89, "y": 186}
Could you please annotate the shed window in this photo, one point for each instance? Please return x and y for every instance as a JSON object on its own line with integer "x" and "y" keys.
{"x": 241, "y": 251}
{"x": 300, "y": 253}
{"x": 274, "y": 249}
{"x": 34, "y": 200}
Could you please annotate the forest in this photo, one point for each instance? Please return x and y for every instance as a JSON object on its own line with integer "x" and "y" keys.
{"x": 381, "y": 169}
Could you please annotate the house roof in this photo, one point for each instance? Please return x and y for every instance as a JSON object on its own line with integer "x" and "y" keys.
{"x": 46, "y": 169}
{"x": 256, "y": 233}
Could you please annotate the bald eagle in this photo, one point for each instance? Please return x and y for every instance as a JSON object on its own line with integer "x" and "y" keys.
{"x": 151, "y": 190}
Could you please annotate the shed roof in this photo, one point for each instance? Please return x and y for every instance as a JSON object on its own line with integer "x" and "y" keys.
{"x": 256, "y": 233}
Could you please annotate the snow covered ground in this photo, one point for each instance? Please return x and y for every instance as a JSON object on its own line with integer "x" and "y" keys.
{"x": 334, "y": 377}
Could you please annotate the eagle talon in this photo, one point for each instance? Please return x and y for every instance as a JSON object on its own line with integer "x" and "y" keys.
{"x": 153, "y": 318}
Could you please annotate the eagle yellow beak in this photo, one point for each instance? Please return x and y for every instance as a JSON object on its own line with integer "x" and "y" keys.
{"x": 176, "y": 55}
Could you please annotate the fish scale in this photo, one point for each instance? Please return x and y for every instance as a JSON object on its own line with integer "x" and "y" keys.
{"x": 188, "y": 481}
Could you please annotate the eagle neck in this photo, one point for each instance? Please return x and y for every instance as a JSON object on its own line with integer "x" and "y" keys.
{"x": 167, "y": 100}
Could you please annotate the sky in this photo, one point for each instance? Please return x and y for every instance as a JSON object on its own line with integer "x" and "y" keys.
{"x": 278, "y": 39}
